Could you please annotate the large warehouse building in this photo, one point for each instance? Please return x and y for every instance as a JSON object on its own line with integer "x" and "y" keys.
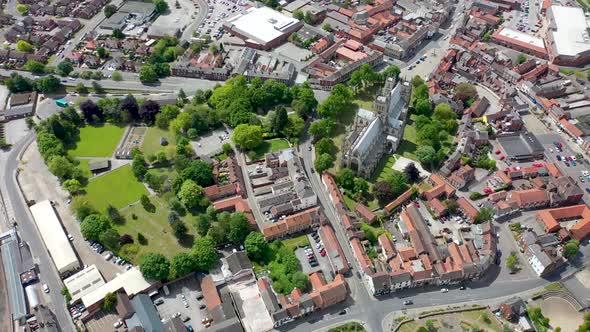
{"x": 262, "y": 28}
{"x": 567, "y": 37}
{"x": 84, "y": 282}
{"x": 54, "y": 237}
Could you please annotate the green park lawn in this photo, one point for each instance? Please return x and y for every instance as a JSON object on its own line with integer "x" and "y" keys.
{"x": 270, "y": 146}
{"x": 151, "y": 141}
{"x": 297, "y": 242}
{"x": 118, "y": 188}
{"x": 409, "y": 143}
{"x": 98, "y": 141}
{"x": 155, "y": 228}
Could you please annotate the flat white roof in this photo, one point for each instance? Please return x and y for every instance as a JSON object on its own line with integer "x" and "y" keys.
{"x": 570, "y": 31}
{"x": 132, "y": 281}
{"x": 84, "y": 282}
{"x": 55, "y": 238}
{"x": 261, "y": 24}
{"x": 522, "y": 37}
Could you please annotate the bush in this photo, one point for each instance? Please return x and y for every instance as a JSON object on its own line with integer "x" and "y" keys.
{"x": 475, "y": 196}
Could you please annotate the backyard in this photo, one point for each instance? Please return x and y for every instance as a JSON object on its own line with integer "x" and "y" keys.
{"x": 118, "y": 188}
{"x": 268, "y": 146}
{"x": 151, "y": 140}
{"x": 98, "y": 141}
{"x": 297, "y": 242}
{"x": 155, "y": 228}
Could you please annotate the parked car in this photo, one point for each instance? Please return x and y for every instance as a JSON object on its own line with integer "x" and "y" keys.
{"x": 408, "y": 302}
{"x": 45, "y": 288}
{"x": 158, "y": 301}
{"x": 444, "y": 290}
{"x": 118, "y": 324}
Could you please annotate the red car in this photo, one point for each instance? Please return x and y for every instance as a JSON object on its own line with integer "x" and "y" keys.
{"x": 416, "y": 204}
{"x": 488, "y": 190}
{"x": 507, "y": 169}
{"x": 497, "y": 151}
{"x": 323, "y": 252}
{"x": 538, "y": 165}
{"x": 502, "y": 157}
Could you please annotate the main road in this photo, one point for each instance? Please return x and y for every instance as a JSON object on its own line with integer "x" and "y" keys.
{"x": 19, "y": 212}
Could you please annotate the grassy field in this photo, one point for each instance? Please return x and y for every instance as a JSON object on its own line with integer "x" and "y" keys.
{"x": 297, "y": 242}
{"x": 119, "y": 188}
{"x": 384, "y": 169}
{"x": 270, "y": 146}
{"x": 98, "y": 141}
{"x": 151, "y": 141}
{"x": 409, "y": 143}
{"x": 155, "y": 228}
{"x": 169, "y": 172}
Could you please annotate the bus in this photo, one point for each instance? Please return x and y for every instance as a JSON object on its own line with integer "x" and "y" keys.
{"x": 61, "y": 103}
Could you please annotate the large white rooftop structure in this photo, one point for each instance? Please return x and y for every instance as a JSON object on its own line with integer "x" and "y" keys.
{"x": 262, "y": 25}
{"x": 54, "y": 237}
{"x": 84, "y": 282}
{"x": 132, "y": 281}
{"x": 569, "y": 31}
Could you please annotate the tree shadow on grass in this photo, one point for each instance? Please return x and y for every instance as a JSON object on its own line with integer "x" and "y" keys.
{"x": 187, "y": 241}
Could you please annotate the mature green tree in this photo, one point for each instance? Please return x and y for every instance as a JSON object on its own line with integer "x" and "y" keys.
{"x": 323, "y": 162}
{"x": 322, "y": 128}
{"x": 204, "y": 253}
{"x": 73, "y": 186}
{"x": 423, "y": 107}
{"x": 34, "y": 66}
{"x": 147, "y": 74}
{"x": 116, "y": 76}
{"x": 94, "y": 225}
{"x": 464, "y": 91}
{"x": 382, "y": 191}
{"x": 199, "y": 171}
{"x": 411, "y": 172}
{"x": 571, "y": 249}
{"x": 65, "y": 67}
{"x": 298, "y": 14}
{"x": 182, "y": 264}
{"x": 82, "y": 207}
{"x": 217, "y": 234}
{"x": 294, "y": 128}
{"x": 392, "y": 71}
{"x": 24, "y": 46}
{"x": 203, "y": 224}
{"x": 484, "y": 214}
{"x": 279, "y": 121}
{"x": 118, "y": 34}
{"x": 257, "y": 247}
{"x": 47, "y": 84}
{"x": 345, "y": 178}
{"x": 325, "y": 145}
{"x": 299, "y": 280}
{"x": 512, "y": 261}
{"x": 17, "y": 83}
{"x": 398, "y": 181}
{"x": 81, "y": 88}
{"x": 521, "y": 58}
{"x": 109, "y": 10}
{"x": 426, "y": 155}
{"x": 191, "y": 195}
{"x": 61, "y": 167}
{"x": 161, "y": 6}
{"x": 247, "y": 136}
{"x": 110, "y": 239}
{"x": 110, "y": 301}
{"x": 238, "y": 228}
{"x": 154, "y": 266}
{"x": 179, "y": 228}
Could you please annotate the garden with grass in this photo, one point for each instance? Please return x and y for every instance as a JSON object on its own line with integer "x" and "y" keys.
{"x": 118, "y": 188}
{"x": 155, "y": 228}
{"x": 151, "y": 140}
{"x": 348, "y": 327}
{"x": 268, "y": 146}
{"x": 97, "y": 141}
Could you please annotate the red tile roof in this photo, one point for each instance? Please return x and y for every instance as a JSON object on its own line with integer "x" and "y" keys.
{"x": 365, "y": 212}
{"x": 210, "y": 293}
{"x": 551, "y": 218}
